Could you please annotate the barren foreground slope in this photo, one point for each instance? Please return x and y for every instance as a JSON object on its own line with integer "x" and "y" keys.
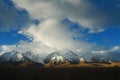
{"x": 8, "y": 72}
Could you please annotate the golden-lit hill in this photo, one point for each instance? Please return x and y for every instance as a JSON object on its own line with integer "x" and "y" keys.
{"x": 84, "y": 64}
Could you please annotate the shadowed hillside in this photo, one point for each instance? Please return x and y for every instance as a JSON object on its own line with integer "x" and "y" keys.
{"x": 8, "y": 72}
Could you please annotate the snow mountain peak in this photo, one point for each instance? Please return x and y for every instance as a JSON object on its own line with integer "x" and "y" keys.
{"x": 17, "y": 57}
{"x": 72, "y": 57}
{"x": 11, "y": 56}
{"x": 54, "y": 58}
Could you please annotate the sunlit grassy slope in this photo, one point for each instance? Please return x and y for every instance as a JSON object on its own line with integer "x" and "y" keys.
{"x": 82, "y": 64}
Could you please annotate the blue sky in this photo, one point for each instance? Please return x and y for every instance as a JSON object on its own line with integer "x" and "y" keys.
{"x": 108, "y": 38}
{"x": 13, "y": 20}
{"x": 11, "y": 37}
{"x": 20, "y": 18}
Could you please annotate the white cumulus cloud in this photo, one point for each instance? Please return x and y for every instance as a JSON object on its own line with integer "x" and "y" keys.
{"x": 80, "y": 11}
{"x": 51, "y": 34}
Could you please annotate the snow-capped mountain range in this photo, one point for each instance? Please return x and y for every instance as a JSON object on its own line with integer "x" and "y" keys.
{"x": 72, "y": 57}
{"x": 12, "y": 56}
{"x": 15, "y": 57}
{"x": 55, "y": 57}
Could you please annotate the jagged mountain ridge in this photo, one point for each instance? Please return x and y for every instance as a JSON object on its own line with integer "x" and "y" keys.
{"x": 114, "y": 56}
{"x": 34, "y": 57}
{"x": 15, "y": 57}
{"x": 12, "y": 56}
{"x": 54, "y": 58}
{"x": 100, "y": 59}
{"x": 108, "y": 56}
{"x": 72, "y": 57}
